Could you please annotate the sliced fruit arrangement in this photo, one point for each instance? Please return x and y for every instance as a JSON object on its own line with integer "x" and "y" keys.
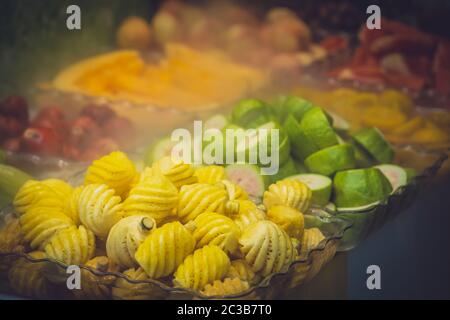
{"x": 201, "y": 79}
{"x": 399, "y": 55}
{"x": 314, "y": 147}
{"x": 95, "y": 131}
{"x": 390, "y": 111}
{"x": 121, "y": 219}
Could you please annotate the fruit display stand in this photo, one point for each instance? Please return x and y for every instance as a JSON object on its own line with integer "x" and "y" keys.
{"x": 353, "y": 154}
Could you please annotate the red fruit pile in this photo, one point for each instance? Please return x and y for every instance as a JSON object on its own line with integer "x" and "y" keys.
{"x": 400, "y": 55}
{"x": 96, "y": 131}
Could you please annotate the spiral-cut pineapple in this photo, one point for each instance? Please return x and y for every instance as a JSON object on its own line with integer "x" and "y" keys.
{"x": 27, "y": 279}
{"x": 156, "y": 197}
{"x": 266, "y": 247}
{"x": 71, "y": 245}
{"x": 126, "y": 290}
{"x": 228, "y": 286}
{"x": 235, "y": 191}
{"x": 164, "y": 249}
{"x": 235, "y": 195}
{"x": 197, "y": 198}
{"x": 115, "y": 170}
{"x": 216, "y": 229}
{"x": 311, "y": 239}
{"x": 248, "y": 213}
{"x": 290, "y": 219}
{"x": 99, "y": 208}
{"x": 179, "y": 173}
{"x": 10, "y": 234}
{"x": 40, "y": 224}
{"x": 296, "y": 243}
{"x": 36, "y": 194}
{"x": 125, "y": 237}
{"x": 71, "y": 206}
{"x": 210, "y": 174}
{"x": 291, "y": 193}
{"x": 202, "y": 267}
{"x": 94, "y": 286}
{"x": 146, "y": 174}
{"x": 241, "y": 269}
{"x": 62, "y": 188}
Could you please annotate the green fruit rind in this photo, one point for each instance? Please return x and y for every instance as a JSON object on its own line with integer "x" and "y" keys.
{"x": 354, "y": 209}
{"x": 312, "y": 134}
{"x": 331, "y": 160}
{"x": 360, "y": 187}
{"x": 320, "y": 185}
{"x": 373, "y": 141}
{"x": 293, "y": 105}
{"x": 330, "y": 206}
{"x": 363, "y": 159}
{"x": 300, "y": 148}
{"x": 11, "y": 180}
{"x": 301, "y": 168}
{"x": 396, "y": 175}
{"x": 410, "y": 173}
{"x": 249, "y": 178}
{"x": 339, "y": 123}
{"x": 250, "y": 113}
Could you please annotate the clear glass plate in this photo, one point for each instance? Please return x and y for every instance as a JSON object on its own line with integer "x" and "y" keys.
{"x": 300, "y": 271}
{"x": 368, "y": 220}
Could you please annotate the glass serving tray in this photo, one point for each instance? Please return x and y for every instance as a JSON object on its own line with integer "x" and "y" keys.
{"x": 368, "y": 220}
{"x": 300, "y": 271}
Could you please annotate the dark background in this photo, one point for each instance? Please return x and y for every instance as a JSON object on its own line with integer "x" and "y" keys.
{"x": 412, "y": 251}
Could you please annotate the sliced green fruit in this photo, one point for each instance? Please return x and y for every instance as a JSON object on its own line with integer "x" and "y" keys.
{"x": 11, "y": 180}
{"x": 218, "y": 121}
{"x": 340, "y": 140}
{"x": 261, "y": 138}
{"x": 410, "y": 173}
{"x": 360, "y": 208}
{"x": 312, "y": 134}
{"x": 284, "y": 145}
{"x": 360, "y": 187}
{"x": 320, "y": 187}
{"x": 339, "y": 123}
{"x": 396, "y": 175}
{"x": 301, "y": 168}
{"x": 330, "y": 206}
{"x": 159, "y": 149}
{"x": 297, "y": 137}
{"x": 363, "y": 159}
{"x": 287, "y": 169}
{"x": 251, "y": 113}
{"x": 249, "y": 178}
{"x": 330, "y": 160}
{"x": 296, "y": 107}
{"x": 373, "y": 141}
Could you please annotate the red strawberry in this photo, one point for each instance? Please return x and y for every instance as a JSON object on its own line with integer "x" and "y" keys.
{"x": 99, "y": 114}
{"x": 41, "y": 140}
{"x": 82, "y": 131}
